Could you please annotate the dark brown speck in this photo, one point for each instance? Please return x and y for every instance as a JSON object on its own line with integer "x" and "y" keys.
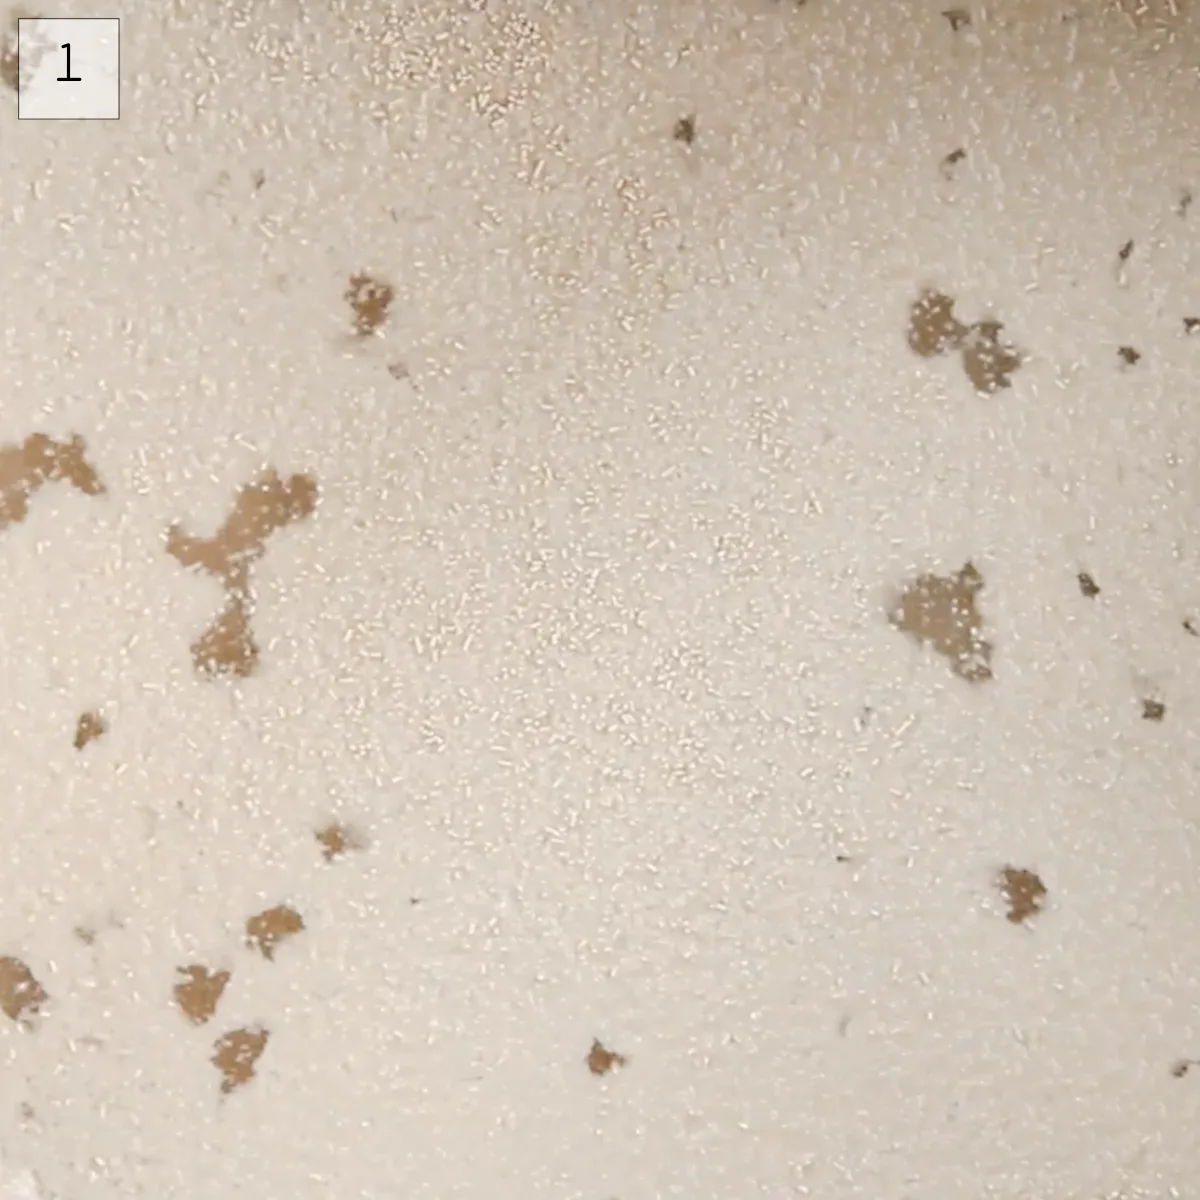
{"x": 685, "y": 130}
{"x": 601, "y": 1061}
{"x": 1024, "y": 892}
{"x": 370, "y": 301}
{"x": 951, "y": 161}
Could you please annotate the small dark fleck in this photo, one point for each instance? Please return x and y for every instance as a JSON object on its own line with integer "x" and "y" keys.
{"x": 1025, "y": 893}
{"x": 1190, "y": 626}
{"x": 1180, "y": 1069}
{"x": 1191, "y": 324}
{"x": 370, "y": 301}
{"x": 951, "y": 160}
{"x": 1129, "y": 356}
{"x": 1153, "y": 710}
{"x": 89, "y": 727}
{"x": 685, "y": 130}
{"x": 1125, "y": 251}
{"x": 1087, "y": 585}
{"x": 398, "y": 370}
{"x": 958, "y": 18}
{"x": 600, "y": 1060}
{"x": 843, "y": 858}
{"x": 1185, "y": 202}
{"x": 259, "y": 178}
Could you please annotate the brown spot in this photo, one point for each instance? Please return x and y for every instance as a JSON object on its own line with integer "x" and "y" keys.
{"x": 399, "y": 371}
{"x": 1129, "y": 356}
{"x": 26, "y": 467}
{"x": 199, "y": 991}
{"x": 600, "y": 1061}
{"x": 940, "y": 611}
{"x": 235, "y": 1055}
{"x": 369, "y": 300}
{"x": 1180, "y": 1068}
{"x": 1087, "y": 585}
{"x": 262, "y": 507}
{"x": 932, "y": 326}
{"x": 10, "y": 65}
{"x": 934, "y": 330}
{"x": 685, "y": 130}
{"x": 21, "y": 996}
{"x": 958, "y": 18}
{"x": 947, "y": 165}
{"x": 1125, "y": 251}
{"x": 989, "y": 362}
{"x": 88, "y": 728}
{"x": 265, "y": 931}
{"x": 337, "y": 840}
{"x": 1153, "y": 710}
{"x": 1185, "y": 202}
{"x": 258, "y": 179}
{"x": 86, "y": 934}
{"x": 1024, "y": 893}
{"x": 1190, "y": 626}
{"x": 1191, "y": 325}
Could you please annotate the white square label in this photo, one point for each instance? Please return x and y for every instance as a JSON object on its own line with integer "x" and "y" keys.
{"x": 69, "y": 68}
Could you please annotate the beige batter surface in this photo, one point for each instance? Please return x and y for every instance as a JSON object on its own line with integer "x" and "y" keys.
{"x": 602, "y": 602}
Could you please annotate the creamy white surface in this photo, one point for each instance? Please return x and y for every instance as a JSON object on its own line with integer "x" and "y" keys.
{"x": 581, "y": 633}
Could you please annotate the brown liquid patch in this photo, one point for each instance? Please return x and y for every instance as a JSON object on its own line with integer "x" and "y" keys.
{"x": 26, "y": 467}
{"x": 940, "y": 611}
{"x": 932, "y": 327}
{"x": 1129, "y": 356}
{"x": 90, "y": 726}
{"x": 199, "y": 991}
{"x": 601, "y": 1061}
{"x": 988, "y": 362}
{"x": 236, "y": 1054}
{"x": 262, "y": 507}
{"x": 1023, "y": 892}
{"x": 1153, "y": 710}
{"x": 1087, "y": 585}
{"x": 337, "y": 840}
{"x": 933, "y": 330}
{"x": 21, "y": 996}
{"x": 268, "y": 929}
{"x": 369, "y": 300}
